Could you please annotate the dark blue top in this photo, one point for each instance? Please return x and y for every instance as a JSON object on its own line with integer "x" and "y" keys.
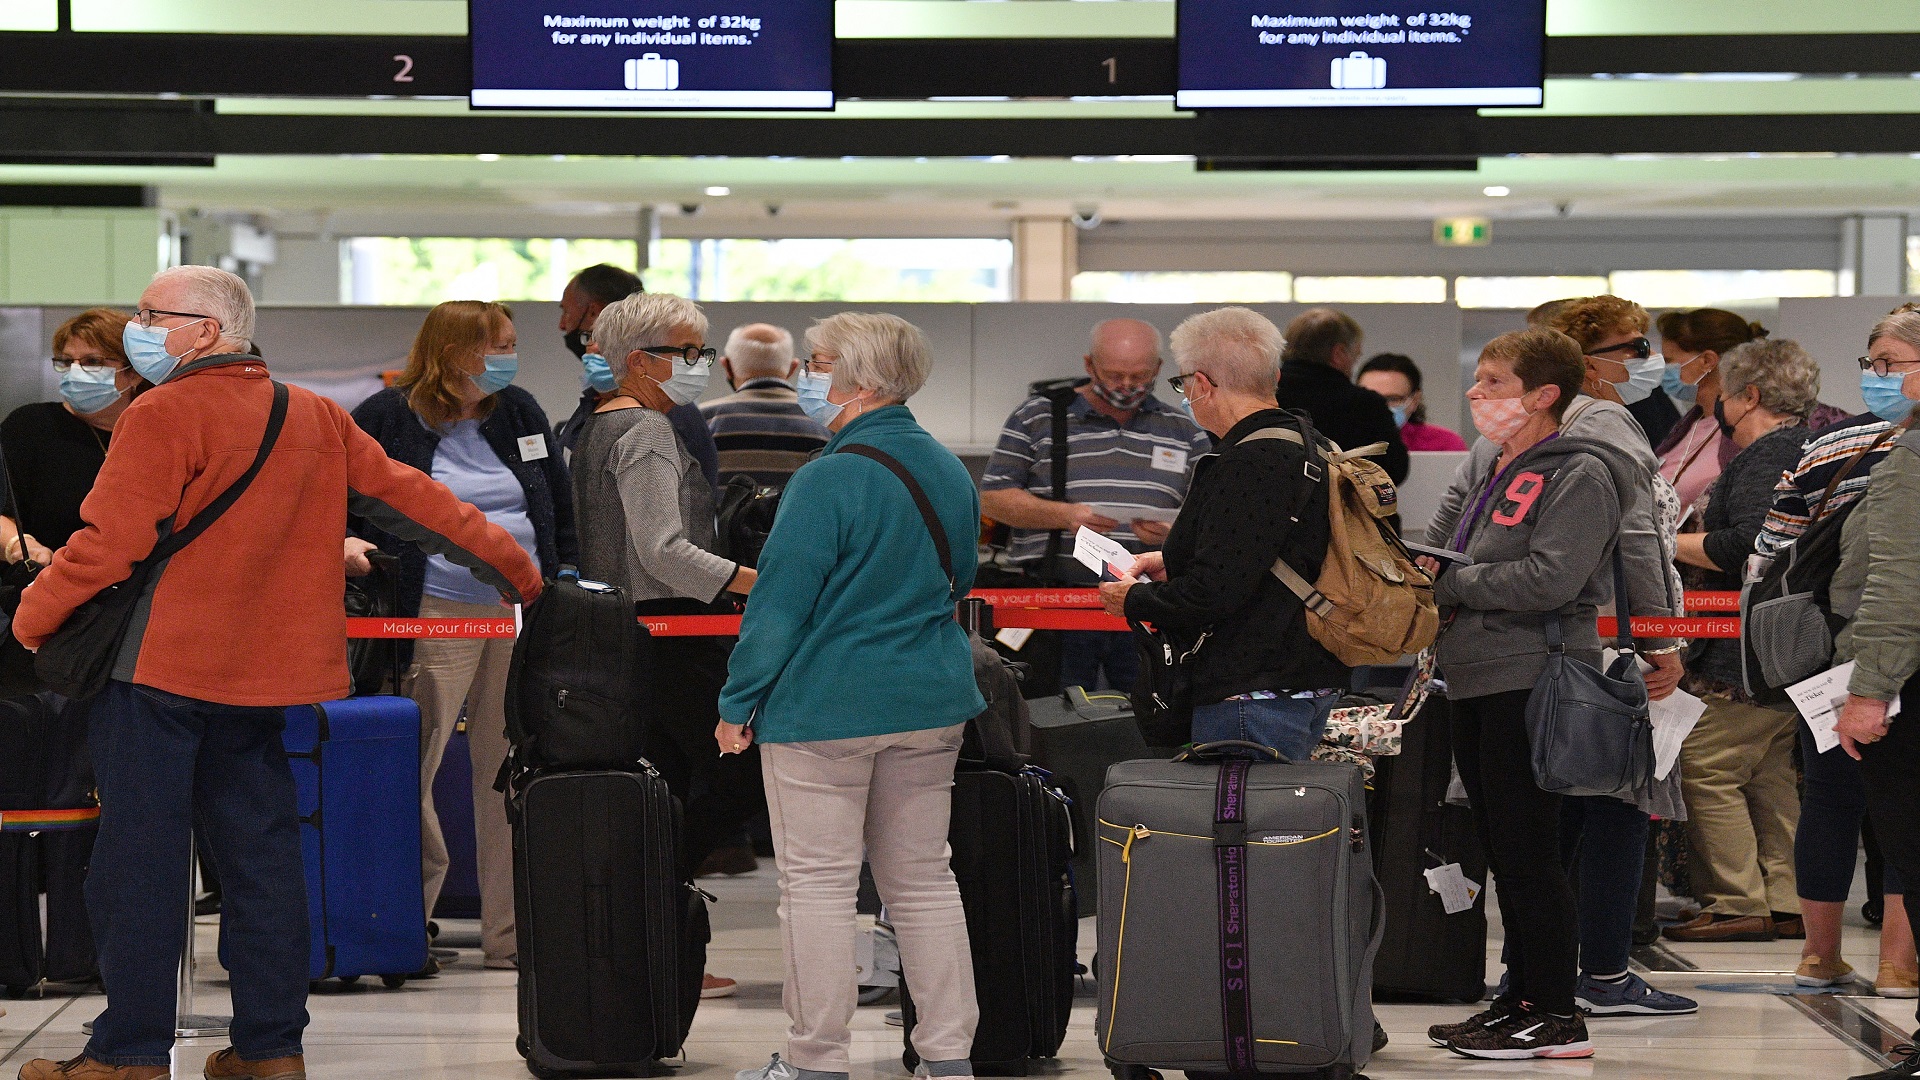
{"x": 516, "y": 415}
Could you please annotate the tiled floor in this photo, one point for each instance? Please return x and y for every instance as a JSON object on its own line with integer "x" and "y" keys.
{"x": 461, "y": 1024}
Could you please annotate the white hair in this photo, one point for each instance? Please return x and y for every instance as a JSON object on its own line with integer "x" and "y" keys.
{"x": 211, "y": 291}
{"x": 759, "y": 350}
{"x": 1238, "y": 348}
{"x": 641, "y": 320}
{"x": 882, "y": 353}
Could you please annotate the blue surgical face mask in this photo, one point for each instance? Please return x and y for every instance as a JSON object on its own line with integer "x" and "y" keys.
{"x": 688, "y": 382}
{"x": 597, "y": 373}
{"x": 1400, "y": 414}
{"x": 90, "y": 389}
{"x": 1643, "y": 378}
{"x": 1673, "y": 380}
{"x": 147, "y": 350}
{"x": 499, "y": 373}
{"x": 1884, "y": 398}
{"x": 812, "y": 388}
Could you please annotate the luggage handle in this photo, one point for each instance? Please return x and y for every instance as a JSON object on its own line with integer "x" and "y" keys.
{"x": 1215, "y": 750}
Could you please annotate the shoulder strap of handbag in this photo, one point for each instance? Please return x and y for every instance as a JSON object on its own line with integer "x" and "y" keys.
{"x": 276, "y": 419}
{"x": 1622, "y": 610}
{"x": 920, "y": 501}
{"x": 1853, "y": 463}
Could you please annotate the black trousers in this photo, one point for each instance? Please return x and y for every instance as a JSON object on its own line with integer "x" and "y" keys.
{"x": 1520, "y": 826}
{"x": 720, "y": 793}
{"x": 1892, "y": 771}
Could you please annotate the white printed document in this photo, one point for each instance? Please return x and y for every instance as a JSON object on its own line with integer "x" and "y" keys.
{"x": 1820, "y": 700}
{"x": 1101, "y": 555}
{"x": 1124, "y": 514}
{"x": 1674, "y": 717}
{"x": 1457, "y": 891}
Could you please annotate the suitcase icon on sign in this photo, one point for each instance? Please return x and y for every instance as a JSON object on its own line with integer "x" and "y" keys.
{"x": 650, "y": 72}
{"x": 1354, "y": 71}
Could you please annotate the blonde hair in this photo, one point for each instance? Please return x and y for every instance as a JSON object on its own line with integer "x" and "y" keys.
{"x": 1591, "y": 319}
{"x": 1239, "y": 349}
{"x": 436, "y": 377}
{"x": 882, "y": 353}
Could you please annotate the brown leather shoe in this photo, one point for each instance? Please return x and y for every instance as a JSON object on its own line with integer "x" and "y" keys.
{"x": 1711, "y": 927}
{"x": 85, "y": 1068}
{"x": 1789, "y": 928}
{"x": 226, "y": 1065}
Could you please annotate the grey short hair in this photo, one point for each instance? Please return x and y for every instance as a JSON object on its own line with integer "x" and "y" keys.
{"x": 1237, "y": 347}
{"x": 1900, "y": 324}
{"x": 212, "y": 291}
{"x": 641, "y": 320}
{"x": 1787, "y": 378}
{"x": 753, "y": 356}
{"x": 882, "y": 353}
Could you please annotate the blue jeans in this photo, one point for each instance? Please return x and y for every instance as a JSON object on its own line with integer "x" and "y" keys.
{"x": 1290, "y": 725}
{"x": 167, "y": 765}
{"x": 1084, "y": 654}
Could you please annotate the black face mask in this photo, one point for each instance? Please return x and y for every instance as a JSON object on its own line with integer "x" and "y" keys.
{"x": 577, "y": 343}
{"x": 1720, "y": 417}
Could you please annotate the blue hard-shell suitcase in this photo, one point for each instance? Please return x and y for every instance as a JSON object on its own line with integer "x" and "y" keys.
{"x": 356, "y": 766}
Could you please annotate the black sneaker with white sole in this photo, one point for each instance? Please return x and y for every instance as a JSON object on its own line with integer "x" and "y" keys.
{"x": 1526, "y": 1033}
{"x": 1906, "y": 1063}
{"x": 1442, "y": 1034}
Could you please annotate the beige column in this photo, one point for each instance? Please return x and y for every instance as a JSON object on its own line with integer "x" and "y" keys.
{"x": 1046, "y": 255}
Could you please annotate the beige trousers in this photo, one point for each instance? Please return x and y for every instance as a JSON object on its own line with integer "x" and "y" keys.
{"x": 1736, "y": 771}
{"x": 447, "y": 674}
{"x": 889, "y": 796}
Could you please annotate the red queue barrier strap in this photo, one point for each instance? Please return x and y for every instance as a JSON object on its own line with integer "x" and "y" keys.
{"x": 388, "y": 629}
{"x": 1039, "y": 598}
{"x": 1683, "y": 628}
{"x": 1712, "y": 601}
{"x": 1044, "y": 619}
{"x": 692, "y": 625}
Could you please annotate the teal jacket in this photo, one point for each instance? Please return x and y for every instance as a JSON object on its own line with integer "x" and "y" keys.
{"x": 850, "y": 630}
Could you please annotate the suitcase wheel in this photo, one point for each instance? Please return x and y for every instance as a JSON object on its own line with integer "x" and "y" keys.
{"x": 1133, "y": 1072}
{"x": 15, "y": 992}
{"x": 349, "y": 980}
{"x": 520, "y": 1044}
{"x": 393, "y": 982}
{"x": 544, "y": 1073}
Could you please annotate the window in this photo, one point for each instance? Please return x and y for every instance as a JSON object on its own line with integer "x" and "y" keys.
{"x": 425, "y": 270}
{"x": 1703, "y": 288}
{"x": 1521, "y": 292}
{"x": 1370, "y": 290}
{"x": 1142, "y": 287}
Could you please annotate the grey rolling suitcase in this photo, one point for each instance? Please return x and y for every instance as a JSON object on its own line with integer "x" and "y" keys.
{"x": 1238, "y": 916}
{"x": 1076, "y": 737}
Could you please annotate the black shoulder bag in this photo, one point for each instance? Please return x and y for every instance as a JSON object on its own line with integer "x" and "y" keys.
{"x": 1591, "y": 731}
{"x": 78, "y": 660}
{"x": 17, "y": 678}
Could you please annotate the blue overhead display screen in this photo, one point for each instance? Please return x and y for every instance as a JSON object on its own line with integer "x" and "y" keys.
{"x": 1319, "y": 53}
{"x": 652, "y": 54}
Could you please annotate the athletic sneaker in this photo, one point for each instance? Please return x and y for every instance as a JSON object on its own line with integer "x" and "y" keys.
{"x": 1629, "y": 996}
{"x": 1906, "y": 1064}
{"x": 1442, "y": 1034}
{"x": 785, "y": 1070}
{"x": 1526, "y": 1033}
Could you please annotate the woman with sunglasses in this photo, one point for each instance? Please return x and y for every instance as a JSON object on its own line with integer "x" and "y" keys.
{"x": 647, "y": 526}
{"x": 1621, "y": 366}
{"x": 52, "y": 450}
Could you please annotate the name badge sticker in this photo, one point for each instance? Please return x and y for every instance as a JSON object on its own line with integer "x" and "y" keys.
{"x": 533, "y": 448}
{"x": 1167, "y": 459}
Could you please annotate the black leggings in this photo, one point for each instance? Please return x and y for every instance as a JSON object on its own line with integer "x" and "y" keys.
{"x": 1892, "y": 771}
{"x": 1519, "y": 825}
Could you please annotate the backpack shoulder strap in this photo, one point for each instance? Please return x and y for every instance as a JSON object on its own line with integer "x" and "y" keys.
{"x": 1313, "y": 598}
{"x": 1848, "y": 470}
{"x": 920, "y": 501}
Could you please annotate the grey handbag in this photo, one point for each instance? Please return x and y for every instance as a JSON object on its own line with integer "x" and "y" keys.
{"x": 1590, "y": 730}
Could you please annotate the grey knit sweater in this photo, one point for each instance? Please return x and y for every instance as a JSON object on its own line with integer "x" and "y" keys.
{"x": 644, "y": 510}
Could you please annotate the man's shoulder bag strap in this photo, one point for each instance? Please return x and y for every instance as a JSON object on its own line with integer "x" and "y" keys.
{"x": 276, "y": 419}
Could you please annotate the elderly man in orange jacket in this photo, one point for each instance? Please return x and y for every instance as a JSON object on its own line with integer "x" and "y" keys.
{"x": 243, "y": 621}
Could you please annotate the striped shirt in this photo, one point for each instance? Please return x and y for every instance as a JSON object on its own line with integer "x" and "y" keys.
{"x": 1821, "y": 460}
{"x": 762, "y": 432}
{"x": 1144, "y": 464}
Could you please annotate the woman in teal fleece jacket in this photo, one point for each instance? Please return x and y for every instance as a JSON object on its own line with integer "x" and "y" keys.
{"x": 853, "y": 675}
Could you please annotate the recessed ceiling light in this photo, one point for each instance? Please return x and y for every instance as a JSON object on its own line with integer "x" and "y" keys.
{"x": 1496, "y": 191}
{"x": 488, "y": 157}
{"x": 719, "y": 192}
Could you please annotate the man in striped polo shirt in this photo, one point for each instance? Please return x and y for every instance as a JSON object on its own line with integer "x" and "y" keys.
{"x": 1126, "y": 451}
{"x": 759, "y": 429}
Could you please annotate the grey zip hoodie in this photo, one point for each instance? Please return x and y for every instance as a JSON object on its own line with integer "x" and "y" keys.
{"x": 1541, "y": 545}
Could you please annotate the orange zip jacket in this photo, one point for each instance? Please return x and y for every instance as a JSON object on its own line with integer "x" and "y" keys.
{"x": 249, "y": 613}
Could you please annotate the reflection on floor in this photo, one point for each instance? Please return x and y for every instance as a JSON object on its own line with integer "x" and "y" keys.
{"x": 461, "y": 1024}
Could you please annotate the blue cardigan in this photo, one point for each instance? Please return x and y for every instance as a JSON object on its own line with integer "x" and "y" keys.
{"x": 398, "y": 429}
{"x": 849, "y": 631}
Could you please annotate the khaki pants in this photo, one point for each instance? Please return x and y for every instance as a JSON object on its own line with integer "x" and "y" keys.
{"x": 1736, "y": 771}
{"x": 889, "y": 796}
{"x": 448, "y": 674}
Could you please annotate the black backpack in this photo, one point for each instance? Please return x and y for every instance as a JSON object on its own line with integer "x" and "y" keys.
{"x": 576, "y": 684}
{"x": 744, "y": 519}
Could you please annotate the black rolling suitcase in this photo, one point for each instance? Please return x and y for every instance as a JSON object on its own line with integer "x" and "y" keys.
{"x": 1011, "y": 839}
{"x": 1076, "y": 737}
{"x": 48, "y": 820}
{"x": 1427, "y": 952}
{"x": 612, "y": 944}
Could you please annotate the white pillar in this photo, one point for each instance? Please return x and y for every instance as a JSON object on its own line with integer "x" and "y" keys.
{"x": 1046, "y": 255}
{"x": 1873, "y": 255}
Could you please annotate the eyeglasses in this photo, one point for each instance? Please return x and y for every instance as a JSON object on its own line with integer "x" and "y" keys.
{"x": 688, "y": 354}
{"x": 1883, "y": 368}
{"x": 820, "y": 364}
{"x": 1641, "y": 347}
{"x": 63, "y": 365}
{"x": 1179, "y": 382}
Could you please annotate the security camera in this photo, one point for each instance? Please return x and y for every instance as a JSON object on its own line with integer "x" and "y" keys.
{"x": 1565, "y": 209}
{"x": 689, "y": 209}
{"x": 773, "y": 209}
{"x": 1086, "y": 217}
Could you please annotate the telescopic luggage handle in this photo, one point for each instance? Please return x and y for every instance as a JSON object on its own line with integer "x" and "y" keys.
{"x": 1214, "y": 751}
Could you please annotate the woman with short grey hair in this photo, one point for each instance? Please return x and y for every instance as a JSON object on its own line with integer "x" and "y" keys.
{"x": 854, "y": 674}
{"x": 1736, "y": 768}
